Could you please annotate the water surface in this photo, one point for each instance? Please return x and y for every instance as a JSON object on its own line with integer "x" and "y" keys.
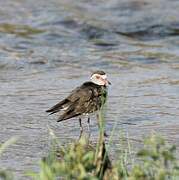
{"x": 49, "y": 47}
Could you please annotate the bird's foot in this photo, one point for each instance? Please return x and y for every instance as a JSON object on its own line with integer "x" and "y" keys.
{"x": 81, "y": 132}
{"x": 105, "y": 134}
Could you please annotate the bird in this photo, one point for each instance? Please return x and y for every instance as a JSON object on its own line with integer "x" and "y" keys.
{"x": 86, "y": 99}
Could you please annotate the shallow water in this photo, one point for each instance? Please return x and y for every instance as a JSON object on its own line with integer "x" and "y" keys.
{"x": 49, "y": 47}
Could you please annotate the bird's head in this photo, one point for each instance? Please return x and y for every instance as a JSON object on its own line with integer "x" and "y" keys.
{"x": 100, "y": 78}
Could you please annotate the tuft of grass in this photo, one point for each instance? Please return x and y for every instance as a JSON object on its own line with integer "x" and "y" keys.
{"x": 155, "y": 161}
{"x": 4, "y": 174}
{"x": 82, "y": 161}
{"x": 75, "y": 161}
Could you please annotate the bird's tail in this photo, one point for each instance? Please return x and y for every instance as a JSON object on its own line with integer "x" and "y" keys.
{"x": 57, "y": 107}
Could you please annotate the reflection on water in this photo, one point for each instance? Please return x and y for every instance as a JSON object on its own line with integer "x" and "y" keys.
{"x": 48, "y": 48}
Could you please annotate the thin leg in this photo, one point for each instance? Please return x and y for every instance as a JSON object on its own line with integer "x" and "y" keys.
{"x": 81, "y": 128}
{"x": 88, "y": 123}
{"x": 105, "y": 134}
{"x": 89, "y": 126}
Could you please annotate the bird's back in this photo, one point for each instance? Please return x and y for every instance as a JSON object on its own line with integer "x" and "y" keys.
{"x": 87, "y": 98}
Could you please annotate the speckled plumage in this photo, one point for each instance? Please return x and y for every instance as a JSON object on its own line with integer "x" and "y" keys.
{"x": 87, "y": 98}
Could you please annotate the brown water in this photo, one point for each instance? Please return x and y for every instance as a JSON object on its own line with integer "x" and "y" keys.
{"x": 49, "y": 47}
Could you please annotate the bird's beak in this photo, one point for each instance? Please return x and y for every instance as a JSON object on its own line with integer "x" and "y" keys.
{"x": 107, "y": 82}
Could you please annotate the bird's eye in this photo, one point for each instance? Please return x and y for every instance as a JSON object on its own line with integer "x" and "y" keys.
{"x": 97, "y": 77}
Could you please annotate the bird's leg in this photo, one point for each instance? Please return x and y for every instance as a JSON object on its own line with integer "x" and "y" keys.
{"x": 81, "y": 128}
{"x": 88, "y": 121}
{"x": 105, "y": 134}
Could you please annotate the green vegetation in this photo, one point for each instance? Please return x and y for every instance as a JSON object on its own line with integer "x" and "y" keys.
{"x": 156, "y": 160}
{"x": 3, "y": 173}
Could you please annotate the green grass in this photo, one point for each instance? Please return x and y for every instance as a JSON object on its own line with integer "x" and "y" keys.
{"x": 155, "y": 161}
{"x": 4, "y": 174}
{"x": 80, "y": 160}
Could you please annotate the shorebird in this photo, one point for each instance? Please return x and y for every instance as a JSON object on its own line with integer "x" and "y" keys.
{"x": 84, "y": 100}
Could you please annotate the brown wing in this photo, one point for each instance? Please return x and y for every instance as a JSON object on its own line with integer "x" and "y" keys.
{"x": 58, "y": 106}
{"x": 78, "y": 100}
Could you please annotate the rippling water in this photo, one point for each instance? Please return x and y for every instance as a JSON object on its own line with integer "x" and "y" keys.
{"x": 49, "y": 47}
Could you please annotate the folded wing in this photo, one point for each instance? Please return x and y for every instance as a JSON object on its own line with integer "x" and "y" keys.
{"x": 77, "y": 103}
